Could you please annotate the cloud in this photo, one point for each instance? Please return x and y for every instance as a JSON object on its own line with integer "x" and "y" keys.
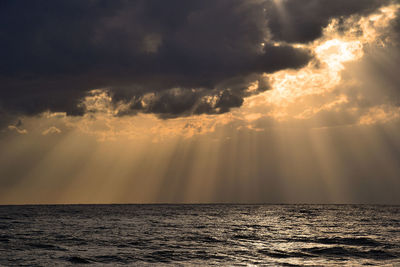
{"x": 303, "y": 21}
{"x": 354, "y": 83}
{"x": 17, "y": 127}
{"x": 184, "y": 101}
{"x": 172, "y": 58}
{"x": 51, "y": 130}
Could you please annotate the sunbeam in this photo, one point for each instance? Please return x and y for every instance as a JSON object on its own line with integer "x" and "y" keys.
{"x": 308, "y": 129}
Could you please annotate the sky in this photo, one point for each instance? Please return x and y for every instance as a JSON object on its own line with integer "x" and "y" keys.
{"x": 184, "y": 101}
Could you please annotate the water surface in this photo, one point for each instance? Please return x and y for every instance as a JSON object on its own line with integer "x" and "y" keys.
{"x": 279, "y": 235}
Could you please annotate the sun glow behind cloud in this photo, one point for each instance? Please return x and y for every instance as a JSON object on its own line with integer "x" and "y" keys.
{"x": 296, "y": 93}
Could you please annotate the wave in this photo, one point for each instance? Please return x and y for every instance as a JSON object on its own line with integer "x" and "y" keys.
{"x": 350, "y": 241}
{"x": 330, "y": 252}
{"x": 247, "y": 237}
{"x": 280, "y": 254}
{"x": 201, "y": 239}
{"x": 337, "y": 251}
{"x": 78, "y": 260}
{"x": 46, "y": 246}
{"x": 109, "y": 259}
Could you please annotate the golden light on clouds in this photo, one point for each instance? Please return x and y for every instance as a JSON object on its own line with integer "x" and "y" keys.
{"x": 299, "y": 94}
{"x": 293, "y": 95}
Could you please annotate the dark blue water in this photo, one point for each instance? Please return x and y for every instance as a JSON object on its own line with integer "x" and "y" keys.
{"x": 278, "y": 235}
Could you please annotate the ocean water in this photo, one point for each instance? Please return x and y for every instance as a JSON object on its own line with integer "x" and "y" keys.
{"x": 142, "y": 235}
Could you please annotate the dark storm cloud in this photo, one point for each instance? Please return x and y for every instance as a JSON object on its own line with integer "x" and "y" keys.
{"x": 301, "y": 21}
{"x": 54, "y": 52}
{"x": 396, "y": 28}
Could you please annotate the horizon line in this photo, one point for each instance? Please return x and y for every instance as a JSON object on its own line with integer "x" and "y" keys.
{"x": 199, "y": 204}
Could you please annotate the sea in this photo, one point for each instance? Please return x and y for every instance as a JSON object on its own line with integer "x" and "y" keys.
{"x": 200, "y": 235}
